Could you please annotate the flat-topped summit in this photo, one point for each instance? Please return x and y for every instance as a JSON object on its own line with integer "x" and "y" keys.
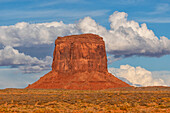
{"x": 81, "y": 37}
{"x": 79, "y": 62}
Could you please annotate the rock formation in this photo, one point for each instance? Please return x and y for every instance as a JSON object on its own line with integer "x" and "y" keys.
{"x": 79, "y": 62}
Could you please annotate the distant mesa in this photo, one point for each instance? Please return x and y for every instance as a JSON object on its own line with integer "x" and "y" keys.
{"x": 79, "y": 62}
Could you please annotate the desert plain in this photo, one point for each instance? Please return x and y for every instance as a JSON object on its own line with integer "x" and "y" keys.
{"x": 116, "y": 100}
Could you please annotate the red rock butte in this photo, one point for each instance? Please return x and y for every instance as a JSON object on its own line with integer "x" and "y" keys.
{"x": 79, "y": 62}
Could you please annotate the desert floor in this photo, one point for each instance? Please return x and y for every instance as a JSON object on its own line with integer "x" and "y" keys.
{"x": 122, "y": 100}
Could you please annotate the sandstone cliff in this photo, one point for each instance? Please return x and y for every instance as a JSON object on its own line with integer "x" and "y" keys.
{"x": 79, "y": 62}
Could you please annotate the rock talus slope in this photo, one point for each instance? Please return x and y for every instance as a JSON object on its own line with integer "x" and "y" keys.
{"x": 79, "y": 62}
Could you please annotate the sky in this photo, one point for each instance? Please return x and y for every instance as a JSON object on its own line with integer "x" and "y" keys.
{"x": 136, "y": 34}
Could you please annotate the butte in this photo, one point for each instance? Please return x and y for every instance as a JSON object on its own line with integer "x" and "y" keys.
{"x": 79, "y": 62}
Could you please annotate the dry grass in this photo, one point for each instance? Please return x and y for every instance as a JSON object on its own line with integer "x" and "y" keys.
{"x": 101, "y": 101}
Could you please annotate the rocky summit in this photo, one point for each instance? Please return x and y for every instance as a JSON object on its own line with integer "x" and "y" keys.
{"x": 79, "y": 62}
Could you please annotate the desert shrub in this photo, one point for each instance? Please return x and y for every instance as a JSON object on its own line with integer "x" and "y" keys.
{"x": 134, "y": 104}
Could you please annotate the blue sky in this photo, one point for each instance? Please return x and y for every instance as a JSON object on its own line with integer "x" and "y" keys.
{"x": 69, "y": 11}
{"x": 155, "y": 13}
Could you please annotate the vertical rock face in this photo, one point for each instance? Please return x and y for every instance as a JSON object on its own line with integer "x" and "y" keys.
{"x": 79, "y": 62}
{"x": 79, "y": 53}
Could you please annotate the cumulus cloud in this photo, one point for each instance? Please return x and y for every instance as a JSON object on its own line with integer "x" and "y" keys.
{"x": 137, "y": 75}
{"x": 11, "y": 57}
{"x": 124, "y": 38}
{"x": 44, "y": 64}
{"x": 25, "y": 34}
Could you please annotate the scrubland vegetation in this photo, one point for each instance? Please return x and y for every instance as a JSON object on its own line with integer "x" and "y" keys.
{"x": 133, "y": 100}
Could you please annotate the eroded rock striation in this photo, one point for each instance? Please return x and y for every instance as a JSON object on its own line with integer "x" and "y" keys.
{"x": 79, "y": 62}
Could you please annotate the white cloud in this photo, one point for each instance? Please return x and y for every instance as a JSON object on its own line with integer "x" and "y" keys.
{"x": 154, "y": 20}
{"x": 44, "y": 64}
{"x": 52, "y": 3}
{"x": 165, "y": 75}
{"x": 112, "y": 59}
{"x": 25, "y": 34}
{"x": 137, "y": 75}
{"x": 125, "y": 38}
{"x": 161, "y": 8}
{"x": 49, "y": 14}
{"x": 11, "y": 57}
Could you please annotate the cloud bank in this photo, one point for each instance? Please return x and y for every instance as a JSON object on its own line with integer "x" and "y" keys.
{"x": 124, "y": 39}
{"x": 165, "y": 75}
{"x": 25, "y": 34}
{"x": 11, "y": 57}
{"x": 137, "y": 76}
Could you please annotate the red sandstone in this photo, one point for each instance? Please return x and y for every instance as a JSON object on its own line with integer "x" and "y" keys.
{"x": 79, "y": 62}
